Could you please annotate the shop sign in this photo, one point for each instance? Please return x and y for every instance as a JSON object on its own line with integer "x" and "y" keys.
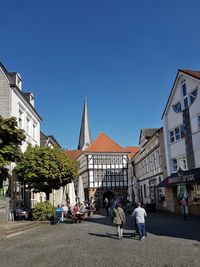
{"x": 181, "y": 179}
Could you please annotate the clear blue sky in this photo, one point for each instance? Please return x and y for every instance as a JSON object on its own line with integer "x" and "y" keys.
{"x": 122, "y": 54}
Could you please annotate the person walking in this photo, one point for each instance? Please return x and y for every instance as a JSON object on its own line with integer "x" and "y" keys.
{"x": 140, "y": 215}
{"x": 107, "y": 206}
{"x": 119, "y": 219}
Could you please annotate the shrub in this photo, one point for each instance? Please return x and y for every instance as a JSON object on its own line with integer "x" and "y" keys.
{"x": 43, "y": 211}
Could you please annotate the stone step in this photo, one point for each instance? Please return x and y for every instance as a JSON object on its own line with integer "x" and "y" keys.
{"x": 15, "y": 228}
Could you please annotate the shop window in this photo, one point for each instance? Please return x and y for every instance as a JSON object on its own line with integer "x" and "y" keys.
{"x": 196, "y": 194}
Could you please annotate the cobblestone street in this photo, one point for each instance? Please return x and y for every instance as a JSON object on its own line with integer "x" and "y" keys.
{"x": 171, "y": 241}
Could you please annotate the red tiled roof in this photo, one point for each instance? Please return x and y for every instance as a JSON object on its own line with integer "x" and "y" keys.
{"x": 193, "y": 73}
{"x": 105, "y": 144}
{"x": 73, "y": 154}
{"x": 133, "y": 150}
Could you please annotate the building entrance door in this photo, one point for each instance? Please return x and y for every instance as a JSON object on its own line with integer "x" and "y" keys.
{"x": 109, "y": 195}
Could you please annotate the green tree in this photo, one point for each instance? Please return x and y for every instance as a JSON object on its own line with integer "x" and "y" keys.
{"x": 45, "y": 169}
{"x": 11, "y": 138}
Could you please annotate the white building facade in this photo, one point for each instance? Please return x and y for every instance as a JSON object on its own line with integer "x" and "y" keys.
{"x": 181, "y": 123}
{"x": 15, "y": 103}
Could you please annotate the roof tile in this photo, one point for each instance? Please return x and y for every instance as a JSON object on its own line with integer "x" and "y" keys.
{"x": 105, "y": 144}
{"x": 193, "y": 73}
{"x": 133, "y": 150}
{"x": 73, "y": 154}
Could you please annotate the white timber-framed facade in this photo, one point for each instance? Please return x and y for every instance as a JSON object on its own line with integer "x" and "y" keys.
{"x": 103, "y": 167}
{"x": 149, "y": 168}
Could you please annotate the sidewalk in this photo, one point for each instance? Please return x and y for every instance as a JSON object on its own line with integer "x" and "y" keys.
{"x": 12, "y": 228}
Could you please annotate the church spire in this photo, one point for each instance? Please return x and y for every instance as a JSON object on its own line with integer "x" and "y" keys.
{"x": 84, "y": 137}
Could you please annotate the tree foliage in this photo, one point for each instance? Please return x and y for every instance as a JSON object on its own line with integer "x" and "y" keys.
{"x": 46, "y": 169}
{"x": 11, "y": 138}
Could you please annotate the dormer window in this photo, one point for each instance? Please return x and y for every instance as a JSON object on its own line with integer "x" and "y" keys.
{"x": 18, "y": 81}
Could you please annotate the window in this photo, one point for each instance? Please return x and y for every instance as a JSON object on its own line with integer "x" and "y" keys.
{"x": 20, "y": 119}
{"x": 155, "y": 160}
{"x": 174, "y": 165}
{"x": 182, "y": 130}
{"x": 177, "y": 133}
{"x": 147, "y": 164}
{"x": 198, "y": 121}
{"x": 184, "y": 94}
{"x": 34, "y": 131}
{"x": 188, "y": 98}
{"x": 27, "y": 125}
{"x": 182, "y": 162}
{"x": 193, "y": 96}
{"x": 185, "y": 101}
{"x": 184, "y": 89}
{"x": 179, "y": 162}
{"x": 177, "y": 107}
{"x": 171, "y": 136}
{"x": 158, "y": 156}
{"x": 145, "y": 190}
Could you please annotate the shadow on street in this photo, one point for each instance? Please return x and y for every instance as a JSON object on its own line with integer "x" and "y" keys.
{"x": 160, "y": 224}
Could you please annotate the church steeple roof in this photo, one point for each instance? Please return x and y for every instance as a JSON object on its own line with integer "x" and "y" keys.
{"x": 84, "y": 137}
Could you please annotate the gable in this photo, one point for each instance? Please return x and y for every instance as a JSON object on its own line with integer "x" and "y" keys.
{"x": 145, "y": 134}
{"x": 175, "y": 99}
{"x": 103, "y": 143}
